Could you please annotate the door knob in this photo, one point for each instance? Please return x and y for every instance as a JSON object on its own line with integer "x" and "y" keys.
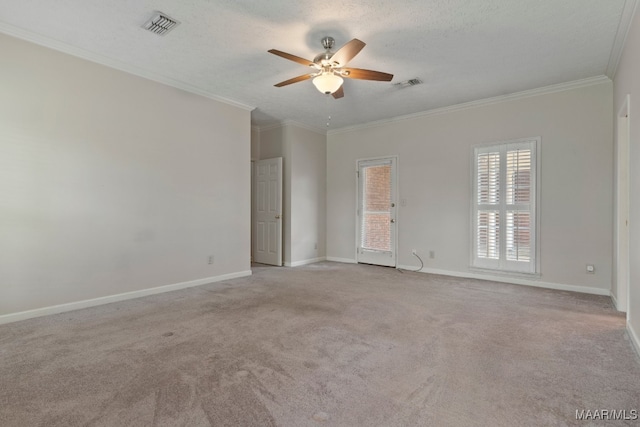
{"x": 393, "y": 221}
{"x": 277, "y": 216}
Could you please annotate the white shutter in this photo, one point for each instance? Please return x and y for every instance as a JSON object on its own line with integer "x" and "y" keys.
{"x": 489, "y": 178}
{"x": 504, "y": 192}
{"x": 488, "y": 202}
{"x": 518, "y": 226}
{"x": 488, "y": 234}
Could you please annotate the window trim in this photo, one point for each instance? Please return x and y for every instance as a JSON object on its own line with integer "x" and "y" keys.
{"x": 473, "y": 266}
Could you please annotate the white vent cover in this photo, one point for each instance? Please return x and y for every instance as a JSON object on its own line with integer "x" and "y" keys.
{"x": 160, "y": 24}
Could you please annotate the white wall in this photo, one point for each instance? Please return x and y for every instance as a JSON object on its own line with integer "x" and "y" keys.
{"x": 304, "y": 193}
{"x": 308, "y": 194}
{"x": 255, "y": 155}
{"x": 271, "y": 143}
{"x": 434, "y": 178}
{"x": 626, "y": 81}
{"x": 255, "y": 143}
{"x": 110, "y": 183}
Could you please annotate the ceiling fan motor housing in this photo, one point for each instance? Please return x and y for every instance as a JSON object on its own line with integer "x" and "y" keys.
{"x": 323, "y": 59}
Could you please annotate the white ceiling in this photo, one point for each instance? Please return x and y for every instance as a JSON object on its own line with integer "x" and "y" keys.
{"x": 463, "y": 50}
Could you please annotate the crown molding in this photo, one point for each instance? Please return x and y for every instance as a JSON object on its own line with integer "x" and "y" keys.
{"x": 289, "y": 122}
{"x": 561, "y": 87}
{"x": 624, "y": 26}
{"x": 50, "y": 43}
{"x": 268, "y": 127}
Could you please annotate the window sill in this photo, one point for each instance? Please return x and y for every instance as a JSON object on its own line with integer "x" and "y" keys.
{"x": 504, "y": 273}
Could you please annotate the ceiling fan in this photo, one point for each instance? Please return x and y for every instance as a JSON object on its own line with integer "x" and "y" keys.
{"x": 331, "y": 68}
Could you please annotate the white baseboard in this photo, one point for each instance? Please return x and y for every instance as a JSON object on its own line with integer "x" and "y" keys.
{"x": 513, "y": 280}
{"x": 615, "y": 300}
{"x": 343, "y": 260}
{"x": 634, "y": 338}
{"x": 304, "y": 262}
{"x": 77, "y": 305}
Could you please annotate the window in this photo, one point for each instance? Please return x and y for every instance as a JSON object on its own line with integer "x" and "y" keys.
{"x": 375, "y": 233}
{"x": 504, "y": 206}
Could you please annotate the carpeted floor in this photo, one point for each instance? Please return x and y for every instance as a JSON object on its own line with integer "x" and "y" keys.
{"x": 326, "y": 344}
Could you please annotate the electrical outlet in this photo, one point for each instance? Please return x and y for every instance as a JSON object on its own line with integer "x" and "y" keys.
{"x": 414, "y": 252}
{"x": 210, "y": 259}
{"x": 432, "y": 254}
{"x": 591, "y": 269}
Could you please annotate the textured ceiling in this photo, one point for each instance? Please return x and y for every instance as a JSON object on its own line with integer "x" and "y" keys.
{"x": 463, "y": 50}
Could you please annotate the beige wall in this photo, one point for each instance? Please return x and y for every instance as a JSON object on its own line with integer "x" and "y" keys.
{"x": 627, "y": 82}
{"x": 434, "y": 181}
{"x": 255, "y": 143}
{"x": 110, "y": 183}
{"x": 308, "y": 194}
{"x": 304, "y": 189}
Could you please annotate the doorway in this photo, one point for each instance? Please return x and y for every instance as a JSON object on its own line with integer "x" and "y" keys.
{"x": 622, "y": 208}
{"x": 376, "y": 212}
{"x": 267, "y": 215}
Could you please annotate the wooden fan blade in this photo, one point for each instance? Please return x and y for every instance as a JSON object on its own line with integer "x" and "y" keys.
{"x": 359, "y": 73}
{"x": 347, "y": 52}
{"x": 295, "y": 80}
{"x": 293, "y": 58}
{"x": 339, "y": 93}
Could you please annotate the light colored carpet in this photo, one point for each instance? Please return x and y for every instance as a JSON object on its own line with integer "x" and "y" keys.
{"x": 326, "y": 344}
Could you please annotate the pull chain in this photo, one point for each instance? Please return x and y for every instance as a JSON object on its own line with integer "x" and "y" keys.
{"x": 327, "y": 108}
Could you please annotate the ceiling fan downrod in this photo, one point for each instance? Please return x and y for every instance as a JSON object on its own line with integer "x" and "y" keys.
{"x": 328, "y": 42}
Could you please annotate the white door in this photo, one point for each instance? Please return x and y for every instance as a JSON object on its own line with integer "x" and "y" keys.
{"x": 376, "y": 215}
{"x": 268, "y": 211}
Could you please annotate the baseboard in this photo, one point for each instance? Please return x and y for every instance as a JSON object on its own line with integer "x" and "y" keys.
{"x": 615, "y": 300}
{"x": 634, "y": 338}
{"x": 77, "y": 305}
{"x": 513, "y": 280}
{"x": 304, "y": 262}
{"x": 343, "y": 260}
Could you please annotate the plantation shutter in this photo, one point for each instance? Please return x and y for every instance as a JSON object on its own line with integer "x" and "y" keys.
{"x": 488, "y": 217}
{"x": 518, "y": 189}
{"x": 504, "y": 207}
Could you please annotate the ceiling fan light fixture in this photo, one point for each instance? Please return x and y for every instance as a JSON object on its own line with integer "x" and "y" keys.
{"x": 327, "y": 83}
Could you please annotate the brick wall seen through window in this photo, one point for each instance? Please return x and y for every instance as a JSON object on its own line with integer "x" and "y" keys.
{"x": 376, "y": 233}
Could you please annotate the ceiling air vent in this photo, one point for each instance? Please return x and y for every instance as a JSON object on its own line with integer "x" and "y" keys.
{"x": 407, "y": 83}
{"x": 160, "y": 24}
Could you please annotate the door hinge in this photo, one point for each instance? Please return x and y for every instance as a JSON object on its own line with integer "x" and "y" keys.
{"x": 358, "y": 174}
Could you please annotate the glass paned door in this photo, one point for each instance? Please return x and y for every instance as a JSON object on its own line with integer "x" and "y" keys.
{"x": 376, "y": 212}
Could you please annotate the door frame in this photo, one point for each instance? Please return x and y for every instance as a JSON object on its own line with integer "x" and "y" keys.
{"x": 622, "y": 195}
{"x": 395, "y": 170}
